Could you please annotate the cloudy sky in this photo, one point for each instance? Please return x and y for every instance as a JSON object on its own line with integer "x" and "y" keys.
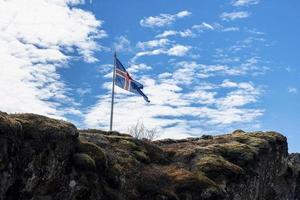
{"x": 208, "y": 67}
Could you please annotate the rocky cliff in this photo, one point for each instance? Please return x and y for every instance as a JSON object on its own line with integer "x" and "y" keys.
{"x": 47, "y": 159}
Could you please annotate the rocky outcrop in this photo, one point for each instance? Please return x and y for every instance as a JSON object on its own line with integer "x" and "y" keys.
{"x": 43, "y": 158}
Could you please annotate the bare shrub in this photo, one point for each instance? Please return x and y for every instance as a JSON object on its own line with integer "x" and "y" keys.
{"x": 139, "y": 131}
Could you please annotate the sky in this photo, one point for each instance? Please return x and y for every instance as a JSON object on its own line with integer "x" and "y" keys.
{"x": 208, "y": 67}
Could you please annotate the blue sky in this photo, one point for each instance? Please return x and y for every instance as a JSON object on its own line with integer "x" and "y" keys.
{"x": 208, "y": 67}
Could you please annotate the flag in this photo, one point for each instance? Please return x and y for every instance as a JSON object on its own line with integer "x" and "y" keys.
{"x": 124, "y": 80}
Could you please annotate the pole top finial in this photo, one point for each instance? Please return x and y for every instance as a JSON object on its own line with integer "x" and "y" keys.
{"x": 115, "y": 54}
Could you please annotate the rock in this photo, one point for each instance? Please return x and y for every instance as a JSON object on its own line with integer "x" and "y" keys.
{"x": 207, "y": 137}
{"x": 83, "y": 162}
{"x": 44, "y": 158}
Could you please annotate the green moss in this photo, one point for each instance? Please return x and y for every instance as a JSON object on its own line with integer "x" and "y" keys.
{"x": 141, "y": 156}
{"x": 153, "y": 180}
{"x": 235, "y": 152}
{"x": 214, "y": 166}
{"x": 251, "y": 140}
{"x": 271, "y": 137}
{"x": 186, "y": 180}
{"x": 205, "y": 181}
{"x": 94, "y": 151}
{"x": 38, "y": 126}
{"x": 127, "y": 144}
{"x": 113, "y": 176}
{"x": 83, "y": 162}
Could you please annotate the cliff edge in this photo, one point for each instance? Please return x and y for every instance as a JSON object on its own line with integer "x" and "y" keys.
{"x": 48, "y": 159}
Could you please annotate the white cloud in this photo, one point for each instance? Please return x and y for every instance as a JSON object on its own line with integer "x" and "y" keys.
{"x": 137, "y": 68}
{"x": 122, "y": 44}
{"x": 292, "y": 90}
{"x": 231, "y": 29}
{"x": 153, "y": 43}
{"x": 181, "y": 104}
{"x": 192, "y": 32}
{"x": 174, "y": 50}
{"x": 245, "y": 2}
{"x": 163, "y": 19}
{"x": 83, "y": 91}
{"x": 36, "y": 38}
{"x": 184, "y": 13}
{"x": 169, "y": 107}
{"x": 105, "y": 68}
{"x": 204, "y": 26}
{"x": 185, "y": 33}
{"x": 166, "y": 34}
{"x": 178, "y": 50}
{"x": 234, "y": 15}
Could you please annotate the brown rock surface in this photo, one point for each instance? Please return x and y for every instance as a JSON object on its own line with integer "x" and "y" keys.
{"x": 43, "y": 158}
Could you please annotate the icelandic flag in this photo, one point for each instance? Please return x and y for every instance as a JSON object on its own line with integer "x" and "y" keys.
{"x": 124, "y": 81}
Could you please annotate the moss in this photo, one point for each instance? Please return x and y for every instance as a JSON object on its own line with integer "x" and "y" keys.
{"x": 251, "y": 140}
{"x": 235, "y": 152}
{"x": 38, "y": 126}
{"x": 93, "y": 131}
{"x": 113, "y": 176}
{"x": 141, "y": 156}
{"x": 186, "y": 180}
{"x": 127, "y": 144}
{"x": 152, "y": 180}
{"x": 83, "y": 162}
{"x": 194, "y": 185}
{"x": 214, "y": 166}
{"x": 94, "y": 151}
{"x": 155, "y": 153}
{"x": 271, "y": 137}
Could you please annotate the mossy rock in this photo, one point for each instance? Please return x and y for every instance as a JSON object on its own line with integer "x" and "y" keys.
{"x": 186, "y": 180}
{"x": 238, "y": 131}
{"x": 93, "y": 131}
{"x": 127, "y": 144}
{"x": 95, "y": 152}
{"x": 235, "y": 152}
{"x": 270, "y": 137}
{"x": 114, "y": 176}
{"x": 254, "y": 142}
{"x": 83, "y": 162}
{"x": 215, "y": 167}
{"x": 153, "y": 180}
{"x": 196, "y": 186}
{"x": 206, "y": 137}
{"x": 141, "y": 156}
{"x": 9, "y": 125}
{"x": 37, "y": 127}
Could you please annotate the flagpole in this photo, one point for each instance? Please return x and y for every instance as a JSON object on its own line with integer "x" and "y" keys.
{"x": 113, "y": 94}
